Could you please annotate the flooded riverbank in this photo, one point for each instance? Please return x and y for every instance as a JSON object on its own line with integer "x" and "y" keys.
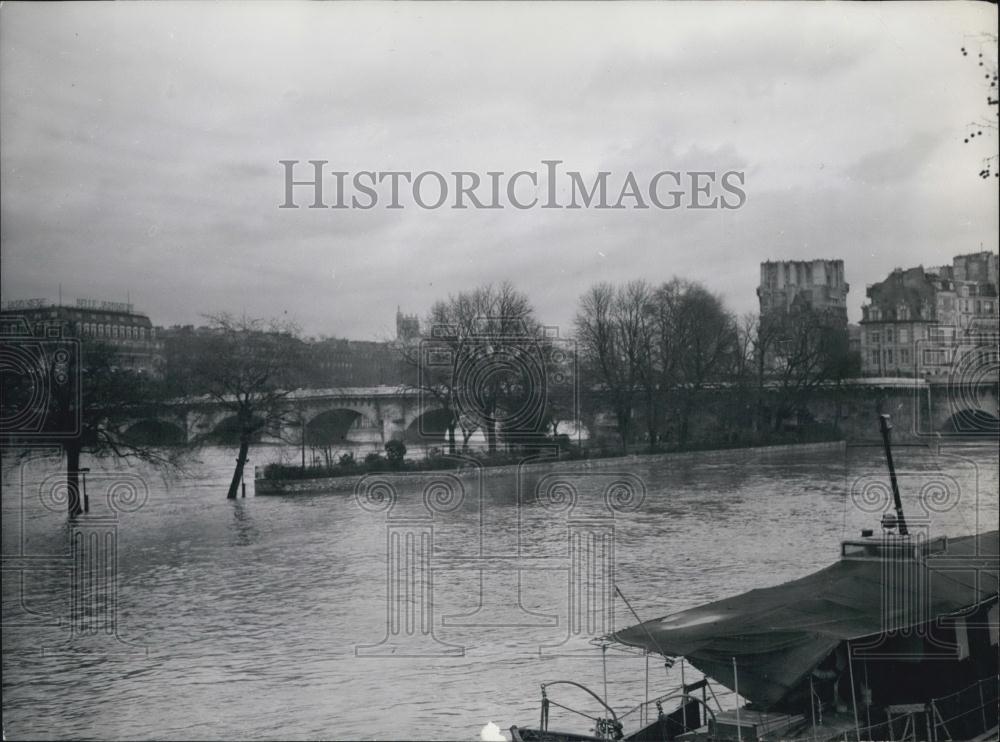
{"x": 274, "y": 617}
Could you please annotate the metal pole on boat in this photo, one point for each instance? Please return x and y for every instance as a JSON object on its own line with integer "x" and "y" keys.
{"x": 604, "y": 662}
{"x": 850, "y": 667}
{"x": 736, "y": 690}
{"x": 982, "y": 704}
{"x": 886, "y": 426}
{"x": 812, "y": 703}
{"x": 645, "y": 709}
{"x": 866, "y": 698}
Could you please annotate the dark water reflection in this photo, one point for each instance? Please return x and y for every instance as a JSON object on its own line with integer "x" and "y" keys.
{"x": 243, "y": 619}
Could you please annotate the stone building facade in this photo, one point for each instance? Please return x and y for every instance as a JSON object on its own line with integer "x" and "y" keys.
{"x": 129, "y": 334}
{"x": 922, "y": 322}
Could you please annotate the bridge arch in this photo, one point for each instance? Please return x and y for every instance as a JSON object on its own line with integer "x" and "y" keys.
{"x": 429, "y": 428}
{"x": 334, "y": 427}
{"x": 155, "y": 432}
{"x": 227, "y": 431}
{"x": 972, "y": 421}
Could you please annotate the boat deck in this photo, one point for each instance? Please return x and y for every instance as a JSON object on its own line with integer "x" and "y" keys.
{"x": 755, "y": 726}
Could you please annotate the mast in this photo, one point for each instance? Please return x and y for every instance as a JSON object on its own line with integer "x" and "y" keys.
{"x": 886, "y": 426}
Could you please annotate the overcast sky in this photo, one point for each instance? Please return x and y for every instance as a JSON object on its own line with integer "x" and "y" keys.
{"x": 140, "y": 148}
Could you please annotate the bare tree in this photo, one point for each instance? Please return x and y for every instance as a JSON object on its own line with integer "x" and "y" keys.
{"x": 613, "y": 329}
{"x": 98, "y": 412}
{"x": 471, "y": 360}
{"x": 429, "y": 359}
{"x": 491, "y": 332}
{"x": 986, "y": 43}
{"x": 799, "y": 350}
{"x": 705, "y": 343}
{"x": 246, "y": 368}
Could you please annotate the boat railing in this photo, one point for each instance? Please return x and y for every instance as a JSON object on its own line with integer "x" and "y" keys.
{"x": 964, "y": 714}
{"x": 604, "y": 728}
{"x": 683, "y": 694}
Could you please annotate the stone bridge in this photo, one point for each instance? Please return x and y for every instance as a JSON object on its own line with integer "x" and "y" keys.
{"x": 368, "y": 417}
{"x": 365, "y": 417}
{"x": 920, "y": 408}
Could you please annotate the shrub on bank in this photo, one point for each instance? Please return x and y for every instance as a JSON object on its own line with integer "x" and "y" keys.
{"x": 437, "y": 459}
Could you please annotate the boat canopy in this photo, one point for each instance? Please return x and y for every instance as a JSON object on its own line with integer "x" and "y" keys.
{"x": 777, "y": 635}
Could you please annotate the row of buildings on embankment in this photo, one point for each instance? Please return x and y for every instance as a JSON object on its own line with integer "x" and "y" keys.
{"x": 917, "y": 322}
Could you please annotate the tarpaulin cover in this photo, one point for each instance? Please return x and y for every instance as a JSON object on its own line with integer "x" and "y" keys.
{"x": 778, "y": 634}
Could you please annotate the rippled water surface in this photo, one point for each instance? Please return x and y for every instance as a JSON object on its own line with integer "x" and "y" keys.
{"x": 244, "y": 619}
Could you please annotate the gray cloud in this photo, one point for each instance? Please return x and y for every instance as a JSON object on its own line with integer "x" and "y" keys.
{"x": 140, "y": 145}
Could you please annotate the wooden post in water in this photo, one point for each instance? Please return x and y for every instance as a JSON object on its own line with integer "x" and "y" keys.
{"x": 86, "y": 499}
{"x": 886, "y": 426}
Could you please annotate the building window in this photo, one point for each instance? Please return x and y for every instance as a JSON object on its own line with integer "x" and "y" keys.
{"x": 904, "y": 335}
{"x": 875, "y": 337}
{"x": 934, "y": 357}
{"x": 904, "y": 356}
{"x": 888, "y": 356}
{"x": 888, "y": 334}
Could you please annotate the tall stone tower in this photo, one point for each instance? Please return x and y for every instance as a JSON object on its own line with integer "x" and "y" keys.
{"x": 407, "y": 326}
{"x": 818, "y": 284}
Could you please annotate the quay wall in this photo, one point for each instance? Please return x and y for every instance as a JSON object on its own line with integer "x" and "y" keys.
{"x": 347, "y": 483}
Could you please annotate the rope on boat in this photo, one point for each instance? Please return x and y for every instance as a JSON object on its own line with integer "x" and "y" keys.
{"x": 812, "y": 705}
{"x": 643, "y": 625}
{"x": 671, "y": 692}
{"x": 572, "y": 710}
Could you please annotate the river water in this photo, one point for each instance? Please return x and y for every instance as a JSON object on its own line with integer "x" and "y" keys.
{"x": 276, "y": 617}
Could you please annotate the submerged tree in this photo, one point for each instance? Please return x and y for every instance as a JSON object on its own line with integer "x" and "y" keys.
{"x": 79, "y": 399}
{"x": 246, "y": 366}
